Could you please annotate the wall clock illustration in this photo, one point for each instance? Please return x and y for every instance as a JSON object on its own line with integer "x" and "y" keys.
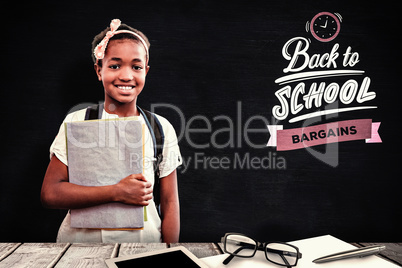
{"x": 325, "y": 26}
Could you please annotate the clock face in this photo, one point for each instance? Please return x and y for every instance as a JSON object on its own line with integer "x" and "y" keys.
{"x": 325, "y": 26}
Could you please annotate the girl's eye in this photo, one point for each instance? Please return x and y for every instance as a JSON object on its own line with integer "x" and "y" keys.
{"x": 137, "y": 67}
{"x": 114, "y": 66}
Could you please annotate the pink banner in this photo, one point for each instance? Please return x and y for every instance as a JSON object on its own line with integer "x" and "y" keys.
{"x": 297, "y": 138}
{"x": 375, "y": 137}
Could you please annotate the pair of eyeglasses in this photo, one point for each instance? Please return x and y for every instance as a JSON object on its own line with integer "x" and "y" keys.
{"x": 239, "y": 245}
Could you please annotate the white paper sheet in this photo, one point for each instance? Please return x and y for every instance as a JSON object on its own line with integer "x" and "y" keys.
{"x": 311, "y": 249}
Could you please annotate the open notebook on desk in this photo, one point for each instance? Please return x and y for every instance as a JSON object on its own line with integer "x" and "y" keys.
{"x": 311, "y": 249}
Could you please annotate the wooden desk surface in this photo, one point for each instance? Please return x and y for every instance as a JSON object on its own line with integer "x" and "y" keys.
{"x": 93, "y": 255}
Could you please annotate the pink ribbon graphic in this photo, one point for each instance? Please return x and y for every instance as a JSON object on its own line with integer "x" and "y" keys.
{"x": 297, "y": 138}
{"x": 375, "y": 137}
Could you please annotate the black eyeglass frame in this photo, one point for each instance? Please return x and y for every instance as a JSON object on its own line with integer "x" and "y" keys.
{"x": 262, "y": 247}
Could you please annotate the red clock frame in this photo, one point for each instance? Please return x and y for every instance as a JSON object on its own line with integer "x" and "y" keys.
{"x": 338, "y": 27}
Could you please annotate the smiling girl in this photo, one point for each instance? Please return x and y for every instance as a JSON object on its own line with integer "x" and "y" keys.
{"x": 121, "y": 56}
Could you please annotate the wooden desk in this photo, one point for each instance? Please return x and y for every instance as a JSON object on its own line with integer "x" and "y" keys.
{"x": 93, "y": 255}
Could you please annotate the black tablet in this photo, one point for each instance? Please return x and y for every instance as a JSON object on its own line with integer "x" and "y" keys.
{"x": 175, "y": 256}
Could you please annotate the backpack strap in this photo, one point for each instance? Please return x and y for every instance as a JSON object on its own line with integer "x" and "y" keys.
{"x": 94, "y": 112}
{"x": 158, "y": 138}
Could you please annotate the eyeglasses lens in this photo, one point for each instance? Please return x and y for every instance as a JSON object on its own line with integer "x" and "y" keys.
{"x": 281, "y": 254}
{"x": 240, "y": 245}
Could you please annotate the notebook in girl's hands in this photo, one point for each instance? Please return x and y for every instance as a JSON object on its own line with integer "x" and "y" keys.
{"x": 102, "y": 152}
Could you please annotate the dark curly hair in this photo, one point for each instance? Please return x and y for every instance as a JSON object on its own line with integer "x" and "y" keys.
{"x": 99, "y": 37}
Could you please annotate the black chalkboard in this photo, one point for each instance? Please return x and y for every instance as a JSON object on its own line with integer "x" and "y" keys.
{"x": 213, "y": 71}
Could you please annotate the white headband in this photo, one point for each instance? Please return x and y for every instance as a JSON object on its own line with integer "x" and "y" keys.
{"x": 100, "y": 49}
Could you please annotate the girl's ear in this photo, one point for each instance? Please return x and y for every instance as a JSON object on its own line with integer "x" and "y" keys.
{"x": 147, "y": 69}
{"x": 98, "y": 71}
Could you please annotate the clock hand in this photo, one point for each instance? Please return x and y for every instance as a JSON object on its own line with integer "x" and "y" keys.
{"x": 325, "y": 26}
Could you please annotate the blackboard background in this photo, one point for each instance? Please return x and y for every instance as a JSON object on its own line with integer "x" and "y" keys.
{"x": 208, "y": 58}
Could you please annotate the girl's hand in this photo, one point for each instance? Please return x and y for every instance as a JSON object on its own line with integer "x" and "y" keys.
{"x": 57, "y": 192}
{"x": 134, "y": 190}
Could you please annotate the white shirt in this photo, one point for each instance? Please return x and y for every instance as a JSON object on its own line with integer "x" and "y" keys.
{"x": 152, "y": 227}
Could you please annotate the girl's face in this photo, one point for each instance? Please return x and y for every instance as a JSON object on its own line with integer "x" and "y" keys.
{"x": 123, "y": 71}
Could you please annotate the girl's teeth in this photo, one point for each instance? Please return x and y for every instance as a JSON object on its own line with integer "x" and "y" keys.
{"x": 124, "y": 88}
